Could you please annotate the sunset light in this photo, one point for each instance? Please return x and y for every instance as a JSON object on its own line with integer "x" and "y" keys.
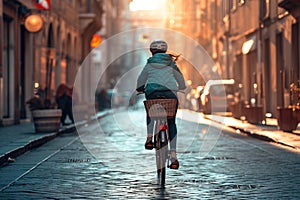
{"x": 146, "y": 5}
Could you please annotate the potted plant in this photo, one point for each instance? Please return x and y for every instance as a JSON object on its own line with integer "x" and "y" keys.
{"x": 289, "y": 117}
{"x": 45, "y": 115}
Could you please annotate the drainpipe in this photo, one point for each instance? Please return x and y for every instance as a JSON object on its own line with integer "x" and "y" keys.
{"x": 260, "y": 95}
{"x": 259, "y": 60}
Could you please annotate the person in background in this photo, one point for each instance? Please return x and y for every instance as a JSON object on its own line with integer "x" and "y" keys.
{"x": 63, "y": 98}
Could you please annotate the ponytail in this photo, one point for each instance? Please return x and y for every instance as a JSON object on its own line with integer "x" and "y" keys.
{"x": 175, "y": 57}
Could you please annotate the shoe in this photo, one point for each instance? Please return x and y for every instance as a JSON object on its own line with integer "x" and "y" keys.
{"x": 174, "y": 164}
{"x": 149, "y": 143}
{"x": 174, "y": 161}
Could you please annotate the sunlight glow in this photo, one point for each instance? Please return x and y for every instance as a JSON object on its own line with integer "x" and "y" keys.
{"x": 36, "y": 85}
{"x": 247, "y": 46}
{"x": 137, "y": 5}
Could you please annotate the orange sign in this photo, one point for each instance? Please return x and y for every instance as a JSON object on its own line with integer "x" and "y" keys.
{"x": 96, "y": 41}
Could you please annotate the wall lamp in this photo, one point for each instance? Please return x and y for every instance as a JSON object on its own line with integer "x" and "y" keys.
{"x": 34, "y": 23}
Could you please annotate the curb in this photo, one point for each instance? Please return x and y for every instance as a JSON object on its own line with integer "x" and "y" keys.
{"x": 4, "y": 159}
{"x": 253, "y": 134}
{"x": 9, "y": 156}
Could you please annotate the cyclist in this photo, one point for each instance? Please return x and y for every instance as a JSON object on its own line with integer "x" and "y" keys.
{"x": 161, "y": 78}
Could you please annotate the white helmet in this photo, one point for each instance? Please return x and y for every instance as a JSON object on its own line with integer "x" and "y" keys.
{"x": 158, "y": 46}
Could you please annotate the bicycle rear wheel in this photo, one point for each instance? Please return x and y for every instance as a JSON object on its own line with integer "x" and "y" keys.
{"x": 161, "y": 160}
{"x": 161, "y": 166}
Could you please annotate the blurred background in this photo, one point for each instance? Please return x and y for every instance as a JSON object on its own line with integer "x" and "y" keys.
{"x": 255, "y": 43}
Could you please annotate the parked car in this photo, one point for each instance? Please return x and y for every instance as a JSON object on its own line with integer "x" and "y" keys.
{"x": 217, "y": 96}
{"x": 193, "y": 98}
{"x": 114, "y": 98}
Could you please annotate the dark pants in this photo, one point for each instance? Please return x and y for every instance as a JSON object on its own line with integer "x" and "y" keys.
{"x": 171, "y": 121}
{"x": 65, "y": 104}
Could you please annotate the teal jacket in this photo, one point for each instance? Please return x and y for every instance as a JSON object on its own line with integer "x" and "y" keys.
{"x": 160, "y": 74}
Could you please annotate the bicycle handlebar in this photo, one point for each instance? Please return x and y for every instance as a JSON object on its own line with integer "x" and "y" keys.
{"x": 181, "y": 91}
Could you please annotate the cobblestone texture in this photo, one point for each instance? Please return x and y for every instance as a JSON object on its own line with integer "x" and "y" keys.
{"x": 237, "y": 167}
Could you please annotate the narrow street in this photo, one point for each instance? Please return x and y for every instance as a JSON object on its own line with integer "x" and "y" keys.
{"x": 110, "y": 163}
{"x": 72, "y": 125}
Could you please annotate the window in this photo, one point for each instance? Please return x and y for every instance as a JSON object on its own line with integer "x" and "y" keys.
{"x": 267, "y": 70}
{"x": 8, "y": 66}
{"x": 295, "y": 52}
{"x": 280, "y": 69}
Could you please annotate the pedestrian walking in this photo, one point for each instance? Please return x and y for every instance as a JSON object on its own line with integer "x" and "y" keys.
{"x": 63, "y": 99}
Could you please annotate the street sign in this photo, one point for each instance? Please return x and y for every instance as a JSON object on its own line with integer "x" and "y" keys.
{"x": 42, "y": 4}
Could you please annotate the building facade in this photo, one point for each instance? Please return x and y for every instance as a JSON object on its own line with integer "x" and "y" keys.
{"x": 257, "y": 44}
{"x": 30, "y": 61}
{"x": 267, "y": 66}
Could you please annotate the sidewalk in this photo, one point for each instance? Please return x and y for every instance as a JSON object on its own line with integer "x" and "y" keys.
{"x": 268, "y": 132}
{"x": 18, "y": 139}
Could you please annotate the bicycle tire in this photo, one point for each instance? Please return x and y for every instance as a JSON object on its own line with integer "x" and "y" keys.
{"x": 161, "y": 160}
{"x": 162, "y": 168}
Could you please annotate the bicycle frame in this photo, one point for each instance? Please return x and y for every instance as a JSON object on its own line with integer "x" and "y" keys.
{"x": 159, "y": 110}
{"x": 161, "y": 142}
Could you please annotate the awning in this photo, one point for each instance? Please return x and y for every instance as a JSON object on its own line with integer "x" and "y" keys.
{"x": 249, "y": 45}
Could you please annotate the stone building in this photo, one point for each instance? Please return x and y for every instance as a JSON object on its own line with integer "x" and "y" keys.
{"x": 254, "y": 42}
{"x": 257, "y": 44}
{"x": 266, "y": 66}
{"x": 51, "y": 55}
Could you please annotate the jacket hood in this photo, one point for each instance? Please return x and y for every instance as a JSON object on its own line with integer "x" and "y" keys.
{"x": 160, "y": 60}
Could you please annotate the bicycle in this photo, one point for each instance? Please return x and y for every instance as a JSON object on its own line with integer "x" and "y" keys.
{"x": 160, "y": 110}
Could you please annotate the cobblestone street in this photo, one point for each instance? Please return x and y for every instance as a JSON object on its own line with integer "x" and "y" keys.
{"x": 111, "y": 163}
